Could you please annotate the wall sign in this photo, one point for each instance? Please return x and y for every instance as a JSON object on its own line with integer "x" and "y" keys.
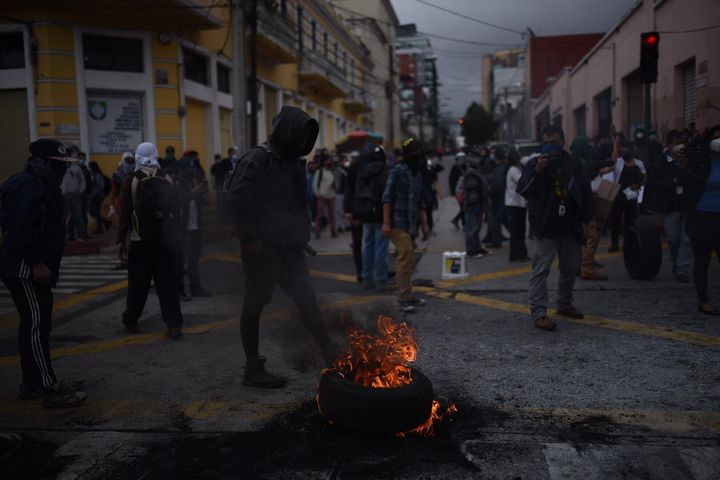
{"x": 115, "y": 122}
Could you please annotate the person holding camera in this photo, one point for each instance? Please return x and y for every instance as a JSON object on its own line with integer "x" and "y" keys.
{"x": 559, "y": 204}
{"x": 630, "y": 174}
{"x": 700, "y": 180}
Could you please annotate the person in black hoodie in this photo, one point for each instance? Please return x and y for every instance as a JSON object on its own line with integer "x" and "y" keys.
{"x": 267, "y": 199}
{"x": 33, "y": 239}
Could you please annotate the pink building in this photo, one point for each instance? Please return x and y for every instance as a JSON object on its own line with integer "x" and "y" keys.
{"x": 603, "y": 90}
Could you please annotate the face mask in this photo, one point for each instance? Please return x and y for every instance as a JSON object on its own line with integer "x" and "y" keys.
{"x": 715, "y": 145}
{"x": 551, "y": 148}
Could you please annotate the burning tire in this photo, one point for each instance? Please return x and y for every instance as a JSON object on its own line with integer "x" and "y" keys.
{"x": 391, "y": 410}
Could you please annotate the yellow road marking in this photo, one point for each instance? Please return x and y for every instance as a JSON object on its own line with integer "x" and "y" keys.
{"x": 222, "y": 258}
{"x": 147, "y": 338}
{"x": 334, "y": 276}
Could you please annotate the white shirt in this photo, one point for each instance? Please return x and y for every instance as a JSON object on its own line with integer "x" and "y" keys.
{"x": 620, "y": 164}
{"x": 512, "y": 198}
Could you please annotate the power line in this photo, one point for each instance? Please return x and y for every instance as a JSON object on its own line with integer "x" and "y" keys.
{"x": 467, "y": 17}
{"x": 701, "y": 29}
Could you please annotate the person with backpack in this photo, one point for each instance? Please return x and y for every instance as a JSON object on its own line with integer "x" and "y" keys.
{"x": 497, "y": 198}
{"x": 267, "y": 197}
{"x": 101, "y": 188}
{"x": 471, "y": 192}
{"x": 33, "y": 239}
{"x": 456, "y": 172}
{"x": 367, "y": 208}
{"x": 151, "y": 214}
{"x": 324, "y": 188}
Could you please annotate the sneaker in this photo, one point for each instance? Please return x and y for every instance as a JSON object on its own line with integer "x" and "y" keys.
{"x": 682, "y": 278}
{"x": 545, "y": 323}
{"x": 61, "y": 396}
{"x": 594, "y": 275}
{"x": 30, "y": 392}
{"x": 416, "y": 302}
{"x": 368, "y": 285}
{"x": 406, "y": 307}
{"x": 184, "y": 297}
{"x": 476, "y": 255}
{"x": 174, "y": 333}
{"x": 201, "y": 293}
{"x": 484, "y": 251}
{"x": 571, "y": 312}
{"x": 256, "y": 375}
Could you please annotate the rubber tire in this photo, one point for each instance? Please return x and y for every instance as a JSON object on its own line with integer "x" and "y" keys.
{"x": 642, "y": 251}
{"x": 388, "y": 410}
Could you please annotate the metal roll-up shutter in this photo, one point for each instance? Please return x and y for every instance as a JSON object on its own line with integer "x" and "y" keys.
{"x": 14, "y": 132}
{"x": 689, "y": 94}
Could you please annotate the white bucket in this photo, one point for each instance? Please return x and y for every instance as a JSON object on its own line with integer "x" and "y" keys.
{"x": 454, "y": 265}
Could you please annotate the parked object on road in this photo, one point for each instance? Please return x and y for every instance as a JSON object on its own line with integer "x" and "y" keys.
{"x": 642, "y": 251}
{"x": 33, "y": 238}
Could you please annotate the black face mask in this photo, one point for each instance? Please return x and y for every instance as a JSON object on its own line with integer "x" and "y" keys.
{"x": 51, "y": 171}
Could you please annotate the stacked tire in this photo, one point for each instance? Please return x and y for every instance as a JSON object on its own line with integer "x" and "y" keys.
{"x": 642, "y": 251}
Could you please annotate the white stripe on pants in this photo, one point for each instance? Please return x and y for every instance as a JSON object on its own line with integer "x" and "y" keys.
{"x": 35, "y": 342}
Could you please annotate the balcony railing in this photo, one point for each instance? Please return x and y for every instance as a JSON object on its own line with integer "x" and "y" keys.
{"x": 277, "y": 40}
{"x": 320, "y": 76}
{"x": 359, "y": 101}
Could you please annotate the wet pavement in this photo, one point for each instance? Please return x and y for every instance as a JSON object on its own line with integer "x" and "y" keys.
{"x": 632, "y": 391}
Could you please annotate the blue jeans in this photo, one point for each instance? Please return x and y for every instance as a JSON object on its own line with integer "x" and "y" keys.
{"x": 473, "y": 222}
{"x": 680, "y": 246}
{"x": 374, "y": 254}
{"x": 497, "y": 219}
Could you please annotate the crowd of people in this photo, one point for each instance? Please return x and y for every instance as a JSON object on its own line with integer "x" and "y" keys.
{"x": 275, "y": 199}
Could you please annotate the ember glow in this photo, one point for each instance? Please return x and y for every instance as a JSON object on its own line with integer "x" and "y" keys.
{"x": 380, "y": 360}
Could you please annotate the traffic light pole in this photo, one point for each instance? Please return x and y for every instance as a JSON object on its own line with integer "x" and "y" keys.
{"x": 648, "y": 112}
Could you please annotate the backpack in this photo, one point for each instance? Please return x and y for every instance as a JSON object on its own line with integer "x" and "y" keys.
{"x": 369, "y": 188}
{"x": 472, "y": 187}
{"x": 235, "y": 176}
{"x": 107, "y": 186}
{"x": 157, "y": 214}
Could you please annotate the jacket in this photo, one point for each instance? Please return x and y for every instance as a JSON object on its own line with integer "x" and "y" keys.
{"x": 661, "y": 183}
{"x": 537, "y": 188}
{"x": 512, "y": 198}
{"x": 74, "y": 181}
{"x": 32, "y": 219}
{"x": 693, "y": 179}
{"x": 268, "y": 199}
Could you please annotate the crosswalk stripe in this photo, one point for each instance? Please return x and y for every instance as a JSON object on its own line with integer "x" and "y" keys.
{"x": 65, "y": 291}
{"x": 76, "y": 276}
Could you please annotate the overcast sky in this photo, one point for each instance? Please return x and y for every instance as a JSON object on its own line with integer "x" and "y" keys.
{"x": 459, "y": 64}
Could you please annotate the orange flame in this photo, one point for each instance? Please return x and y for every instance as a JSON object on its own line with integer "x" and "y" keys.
{"x": 381, "y": 361}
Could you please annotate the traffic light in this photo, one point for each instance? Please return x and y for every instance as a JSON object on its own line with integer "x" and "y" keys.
{"x": 461, "y": 121}
{"x": 649, "y": 42}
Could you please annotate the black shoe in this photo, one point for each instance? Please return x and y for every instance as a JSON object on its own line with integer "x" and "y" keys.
{"x": 61, "y": 396}
{"x": 416, "y": 302}
{"x": 682, "y": 278}
{"x": 130, "y": 328}
{"x": 406, "y": 307}
{"x": 368, "y": 285}
{"x": 174, "y": 333}
{"x": 257, "y": 376}
{"x": 201, "y": 293}
{"x": 359, "y": 279}
{"x": 185, "y": 297}
{"x": 613, "y": 249}
{"x": 334, "y": 235}
{"x": 597, "y": 264}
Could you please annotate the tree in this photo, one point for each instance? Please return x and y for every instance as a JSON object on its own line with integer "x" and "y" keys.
{"x": 479, "y": 126}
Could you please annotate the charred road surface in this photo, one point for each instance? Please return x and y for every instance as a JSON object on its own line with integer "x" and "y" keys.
{"x": 631, "y": 391}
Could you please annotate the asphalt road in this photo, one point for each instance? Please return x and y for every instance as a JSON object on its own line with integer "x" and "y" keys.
{"x": 632, "y": 391}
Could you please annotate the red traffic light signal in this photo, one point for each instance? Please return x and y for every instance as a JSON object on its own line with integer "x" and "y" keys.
{"x": 649, "y": 53}
{"x": 461, "y": 121}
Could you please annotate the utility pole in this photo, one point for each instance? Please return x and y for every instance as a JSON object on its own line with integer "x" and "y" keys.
{"x": 390, "y": 92}
{"x": 436, "y": 127}
{"x": 253, "y": 76}
{"x": 239, "y": 84}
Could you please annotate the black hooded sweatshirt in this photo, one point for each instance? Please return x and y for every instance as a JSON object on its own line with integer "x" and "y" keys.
{"x": 269, "y": 199}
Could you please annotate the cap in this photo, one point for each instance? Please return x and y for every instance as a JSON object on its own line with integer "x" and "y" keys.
{"x": 412, "y": 147}
{"x": 49, "y": 148}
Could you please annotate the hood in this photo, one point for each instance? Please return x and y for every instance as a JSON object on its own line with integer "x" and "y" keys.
{"x": 294, "y": 132}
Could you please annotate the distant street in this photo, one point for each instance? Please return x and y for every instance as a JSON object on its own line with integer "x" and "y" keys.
{"x": 631, "y": 391}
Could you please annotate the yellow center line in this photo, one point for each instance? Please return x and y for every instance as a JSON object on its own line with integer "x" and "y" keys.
{"x": 153, "y": 337}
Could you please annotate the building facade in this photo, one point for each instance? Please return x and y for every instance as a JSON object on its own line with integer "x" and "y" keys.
{"x": 375, "y": 23}
{"x": 418, "y": 79}
{"x": 602, "y": 92}
{"x": 110, "y": 75}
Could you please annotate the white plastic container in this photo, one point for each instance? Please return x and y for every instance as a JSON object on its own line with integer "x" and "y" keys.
{"x": 454, "y": 265}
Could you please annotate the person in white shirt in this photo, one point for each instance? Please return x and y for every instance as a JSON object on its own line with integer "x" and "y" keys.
{"x": 516, "y": 206}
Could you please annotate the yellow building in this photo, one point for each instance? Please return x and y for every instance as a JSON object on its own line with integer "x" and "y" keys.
{"x": 108, "y": 75}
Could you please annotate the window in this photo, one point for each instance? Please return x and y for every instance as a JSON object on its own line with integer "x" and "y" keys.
{"x": 300, "y": 26}
{"x": 223, "y": 74}
{"x": 345, "y": 63}
{"x": 325, "y": 44}
{"x": 112, "y": 53}
{"x": 689, "y": 97}
{"x": 603, "y": 107}
{"x": 313, "y": 34}
{"x": 195, "y": 66}
{"x": 335, "y": 54}
{"x": 352, "y": 72}
{"x": 12, "y": 52}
